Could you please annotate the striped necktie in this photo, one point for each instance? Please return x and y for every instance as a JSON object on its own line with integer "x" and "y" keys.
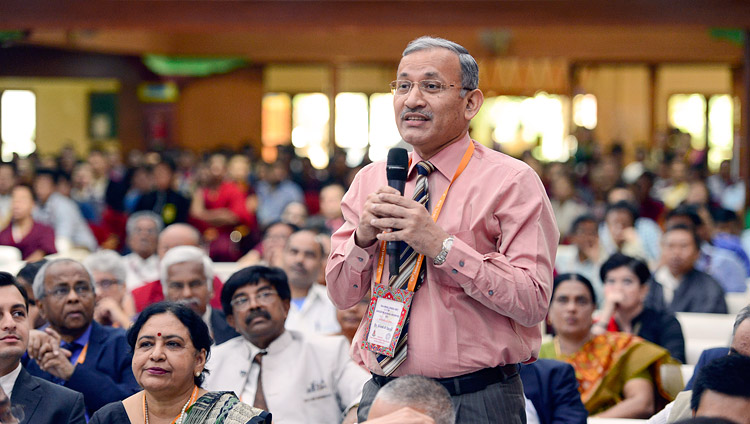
{"x": 407, "y": 262}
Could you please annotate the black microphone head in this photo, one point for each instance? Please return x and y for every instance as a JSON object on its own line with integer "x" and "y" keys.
{"x": 398, "y": 164}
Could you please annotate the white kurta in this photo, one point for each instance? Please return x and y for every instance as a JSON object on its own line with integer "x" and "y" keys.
{"x": 317, "y": 314}
{"x": 306, "y": 378}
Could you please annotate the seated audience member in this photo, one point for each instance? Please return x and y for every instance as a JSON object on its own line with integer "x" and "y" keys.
{"x": 275, "y": 191}
{"x": 330, "y": 216}
{"x": 349, "y": 319}
{"x": 186, "y": 277}
{"x": 588, "y": 255}
{"x": 164, "y": 201}
{"x": 625, "y": 288}
{"x": 421, "y": 394}
{"x": 7, "y": 182}
{"x": 648, "y": 230}
{"x": 170, "y": 345}
{"x": 566, "y": 205}
{"x": 25, "y": 277}
{"x": 35, "y": 240}
{"x": 39, "y": 401}
{"x": 61, "y": 213}
{"x": 172, "y": 236}
{"x": 722, "y": 390}
{"x": 142, "y": 263}
{"x": 270, "y": 250}
{"x": 552, "y": 388}
{"x": 676, "y": 285}
{"x": 295, "y": 213}
{"x": 617, "y": 372}
{"x": 723, "y": 265}
{"x": 618, "y": 233}
{"x": 680, "y": 408}
{"x": 140, "y": 181}
{"x": 296, "y": 376}
{"x": 726, "y": 236}
{"x": 75, "y": 351}
{"x": 727, "y": 190}
{"x": 218, "y": 209}
{"x": 311, "y": 309}
{"x": 114, "y": 305}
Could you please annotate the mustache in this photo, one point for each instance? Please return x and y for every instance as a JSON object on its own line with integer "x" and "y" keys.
{"x": 255, "y": 314}
{"x": 418, "y": 110}
{"x": 189, "y": 301}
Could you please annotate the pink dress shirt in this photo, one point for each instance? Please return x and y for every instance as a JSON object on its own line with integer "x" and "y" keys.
{"x": 481, "y": 307}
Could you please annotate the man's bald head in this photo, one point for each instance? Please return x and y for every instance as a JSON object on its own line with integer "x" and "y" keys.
{"x": 177, "y": 235}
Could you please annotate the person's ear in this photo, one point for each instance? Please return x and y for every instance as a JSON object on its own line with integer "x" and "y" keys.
{"x": 474, "y": 100}
{"x": 42, "y": 312}
{"x": 230, "y": 321}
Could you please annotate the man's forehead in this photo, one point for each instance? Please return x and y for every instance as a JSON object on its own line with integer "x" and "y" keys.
{"x": 64, "y": 271}
{"x": 190, "y": 268}
{"x": 435, "y": 62}
{"x": 254, "y": 287}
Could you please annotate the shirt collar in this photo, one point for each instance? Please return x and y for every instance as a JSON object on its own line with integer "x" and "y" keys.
{"x": 84, "y": 339}
{"x": 446, "y": 161}
{"x": 274, "y": 347}
{"x": 9, "y": 380}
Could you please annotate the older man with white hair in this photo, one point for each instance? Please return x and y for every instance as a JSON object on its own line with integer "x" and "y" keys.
{"x": 142, "y": 263}
{"x": 186, "y": 277}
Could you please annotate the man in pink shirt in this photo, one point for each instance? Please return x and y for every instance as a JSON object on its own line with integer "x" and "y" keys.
{"x": 489, "y": 255}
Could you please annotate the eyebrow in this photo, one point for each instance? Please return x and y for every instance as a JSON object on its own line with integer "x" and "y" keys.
{"x": 166, "y": 336}
{"x": 431, "y": 74}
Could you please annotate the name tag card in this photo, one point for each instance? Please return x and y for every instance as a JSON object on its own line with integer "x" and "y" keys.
{"x": 386, "y": 316}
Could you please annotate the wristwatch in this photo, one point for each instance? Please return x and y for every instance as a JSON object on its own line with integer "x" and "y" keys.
{"x": 440, "y": 258}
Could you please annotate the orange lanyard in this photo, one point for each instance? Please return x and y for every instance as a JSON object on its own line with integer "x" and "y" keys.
{"x": 82, "y": 355}
{"x": 435, "y": 213}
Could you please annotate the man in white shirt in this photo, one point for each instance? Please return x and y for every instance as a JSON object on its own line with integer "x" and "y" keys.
{"x": 311, "y": 309}
{"x": 187, "y": 277}
{"x": 41, "y": 401}
{"x": 142, "y": 263}
{"x": 298, "y": 377}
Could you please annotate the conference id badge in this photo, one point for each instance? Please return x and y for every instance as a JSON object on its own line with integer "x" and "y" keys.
{"x": 386, "y": 317}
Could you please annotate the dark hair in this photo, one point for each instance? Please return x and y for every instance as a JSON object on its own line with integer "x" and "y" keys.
{"x": 252, "y": 276}
{"x": 623, "y": 205}
{"x": 277, "y": 222}
{"x": 683, "y": 227}
{"x": 168, "y": 162}
{"x": 46, "y": 172}
{"x": 705, "y": 420}
{"x": 11, "y": 165}
{"x": 28, "y": 272}
{"x": 572, "y": 276}
{"x": 7, "y": 279}
{"x": 580, "y": 220}
{"x": 727, "y": 375}
{"x": 688, "y": 211}
{"x": 617, "y": 260}
{"x": 197, "y": 329}
{"x": 722, "y": 215}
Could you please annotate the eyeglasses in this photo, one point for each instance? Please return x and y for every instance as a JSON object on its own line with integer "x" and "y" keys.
{"x": 578, "y": 300}
{"x": 106, "y": 284}
{"x": 242, "y": 303}
{"x": 402, "y": 87}
{"x": 61, "y": 292}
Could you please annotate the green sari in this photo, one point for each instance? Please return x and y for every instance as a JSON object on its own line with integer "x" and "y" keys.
{"x": 224, "y": 408}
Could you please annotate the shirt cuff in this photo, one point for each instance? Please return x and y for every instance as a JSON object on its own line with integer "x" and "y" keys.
{"x": 462, "y": 262}
{"x": 357, "y": 257}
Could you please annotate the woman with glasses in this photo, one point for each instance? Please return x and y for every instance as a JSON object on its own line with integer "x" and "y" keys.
{"x": 114, "y": 305}
{"x": 170, "y": 345}
{"x": 618, "y": 373}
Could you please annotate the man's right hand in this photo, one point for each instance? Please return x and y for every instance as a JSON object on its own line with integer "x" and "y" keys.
{"x": 366, "y": 234}
{"x": 40, "y": 342}
{"x": 404, "y": 415}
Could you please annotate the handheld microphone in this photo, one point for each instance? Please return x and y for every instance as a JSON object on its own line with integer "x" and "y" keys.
{"x": 396, "y": 170}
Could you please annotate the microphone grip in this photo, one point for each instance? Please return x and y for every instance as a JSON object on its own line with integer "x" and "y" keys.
{"x": 393, "y": 248}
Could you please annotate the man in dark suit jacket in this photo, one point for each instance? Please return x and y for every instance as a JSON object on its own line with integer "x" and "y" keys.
{"x": 552, "y": 388}
{"x": 32, "y": 400}
{"x": 164, "y": 201}
{"x": 94, "y": 360}
{"x": 187, "y": 277}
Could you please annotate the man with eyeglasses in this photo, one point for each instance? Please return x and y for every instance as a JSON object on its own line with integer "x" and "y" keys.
{"x": 75, "y": 351}
{"x": 187, "y": 277}
{"x": 484, "y": 236}
{"x": 298, "y": 377}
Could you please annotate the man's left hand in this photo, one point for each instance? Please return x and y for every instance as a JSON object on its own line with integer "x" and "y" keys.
{"x": 410, "y": 222}
{"x": 57, "y": 364}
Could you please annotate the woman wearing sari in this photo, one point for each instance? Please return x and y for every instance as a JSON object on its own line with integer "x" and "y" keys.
{"x": 170, "y": 345}
{"x": 618, "y": 373}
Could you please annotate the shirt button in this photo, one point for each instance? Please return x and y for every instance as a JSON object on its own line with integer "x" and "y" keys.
{"x": 360, "y": 259}
{"x": 491, "y": 292}
{"x": 453, "y": 271}
{"x": 460, "y": 263}
{"x": 356, "y": 286}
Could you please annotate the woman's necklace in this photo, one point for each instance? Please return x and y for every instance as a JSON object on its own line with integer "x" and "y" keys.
{"x": 180, "y": 417}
